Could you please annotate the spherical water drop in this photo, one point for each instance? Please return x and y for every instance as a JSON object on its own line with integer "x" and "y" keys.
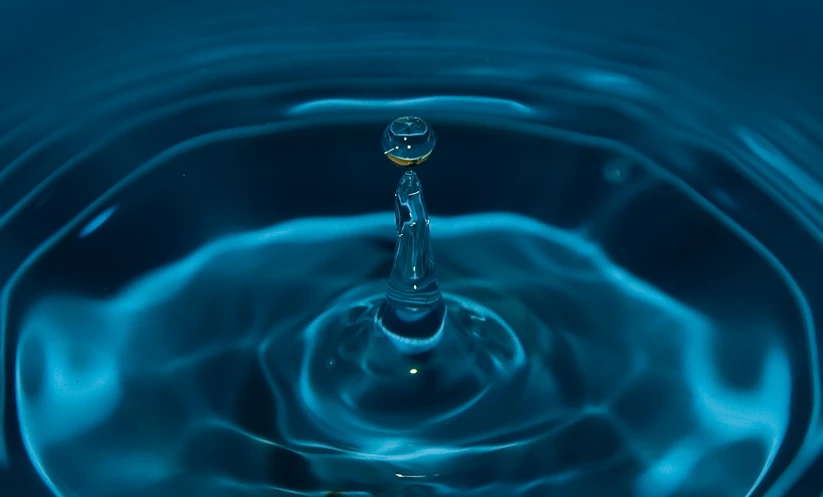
{"x": 408, "y": 141}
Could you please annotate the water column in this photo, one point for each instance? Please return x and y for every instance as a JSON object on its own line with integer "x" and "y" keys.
{"x": 413, "y": 314}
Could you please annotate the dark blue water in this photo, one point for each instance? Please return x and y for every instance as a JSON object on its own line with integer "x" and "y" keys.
{"x": 197, "y": 235}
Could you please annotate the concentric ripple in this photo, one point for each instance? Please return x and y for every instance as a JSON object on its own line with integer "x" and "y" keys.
{"x": 226, "y": 373}
{"x": 360, "y": 392}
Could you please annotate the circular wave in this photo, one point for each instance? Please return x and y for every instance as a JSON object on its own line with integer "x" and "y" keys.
{"x": 211, "y": 375}
{"x": 660, "y": 87}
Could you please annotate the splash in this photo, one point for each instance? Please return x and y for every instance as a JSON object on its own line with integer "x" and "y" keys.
{"x": 413, "y": 315}
{"x": 226, "y": 373}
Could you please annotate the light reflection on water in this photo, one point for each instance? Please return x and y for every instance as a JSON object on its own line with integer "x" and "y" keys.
{"x": 89, "y": 369}
{"x": 681, "y": 103}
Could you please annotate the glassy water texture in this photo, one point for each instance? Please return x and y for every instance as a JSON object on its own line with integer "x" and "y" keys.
{"x": 206, "y": 291}
{"x": 229, "y": 373}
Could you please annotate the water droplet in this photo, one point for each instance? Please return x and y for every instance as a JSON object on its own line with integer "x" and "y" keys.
{"x": 408, "y": 141}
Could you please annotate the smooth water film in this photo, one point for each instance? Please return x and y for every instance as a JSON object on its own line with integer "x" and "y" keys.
{"x": 431, "y": 250}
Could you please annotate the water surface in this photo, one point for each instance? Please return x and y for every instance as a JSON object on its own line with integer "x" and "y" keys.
{"x": 195, "y": 207}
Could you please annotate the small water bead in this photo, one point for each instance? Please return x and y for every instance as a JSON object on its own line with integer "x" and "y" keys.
{"x": 408, "y": 141}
